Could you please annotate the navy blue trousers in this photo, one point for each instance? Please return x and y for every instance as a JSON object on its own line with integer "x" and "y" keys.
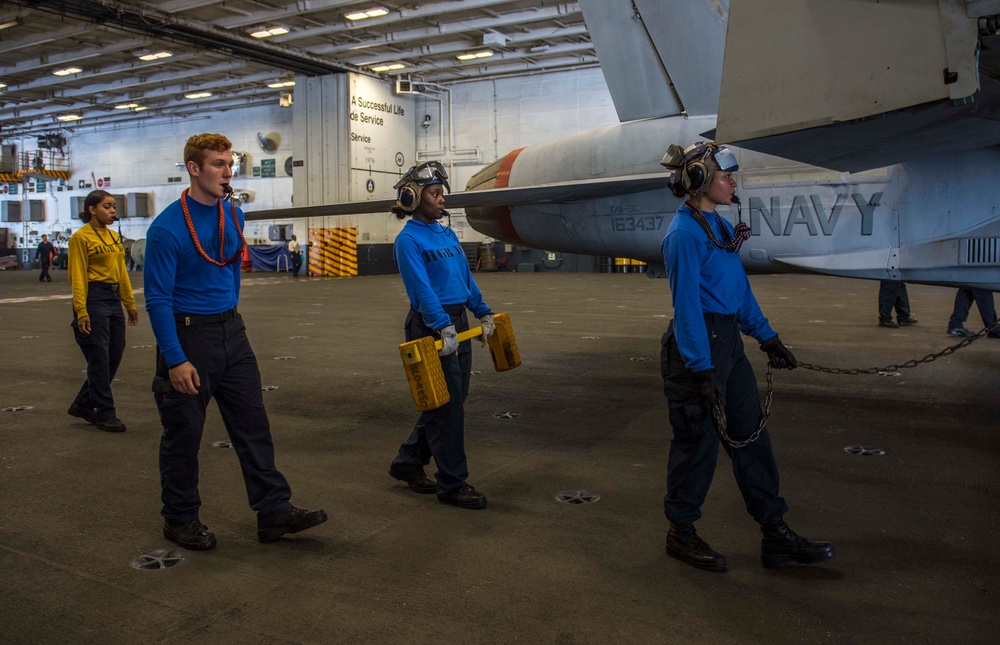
{"x": 441, "y": 433}
{"x": 694, "y": 449}
{"x": 227, "y": 368}
{"x": 963, "y": 303}
{"x": 893, "y": 295}
{"x": 103, "y": 348}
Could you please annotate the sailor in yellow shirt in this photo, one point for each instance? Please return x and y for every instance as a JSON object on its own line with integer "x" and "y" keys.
{"x": 100, "y": 287}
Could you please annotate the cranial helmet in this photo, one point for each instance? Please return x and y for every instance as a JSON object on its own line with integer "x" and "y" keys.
{"x": 692, "y": 168}
{"x": 411, "y": 185}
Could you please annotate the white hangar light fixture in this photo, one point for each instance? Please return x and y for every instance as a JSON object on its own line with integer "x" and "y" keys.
{"x": 377, "y": 12}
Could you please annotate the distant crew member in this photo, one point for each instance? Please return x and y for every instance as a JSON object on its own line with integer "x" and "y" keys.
{"x": 440, "y": 287}
{"x": 706, "y": 372}
{"x": 295, "y": 252}
{"x": 100, "y": 286}
{"x": 892, "y": 295}
{"x": 192, "y": 281}
{"x": 963, "y": 303}
{"x": 43, "y": 256}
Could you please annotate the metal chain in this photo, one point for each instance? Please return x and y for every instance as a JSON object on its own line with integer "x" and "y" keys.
{"x": 930, "y": 358}
{"x": 719, "y": 412}
{"x": 719, "y": 415}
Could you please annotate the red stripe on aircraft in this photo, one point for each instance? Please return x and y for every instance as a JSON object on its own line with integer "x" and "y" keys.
{"x": 502, "y": 213}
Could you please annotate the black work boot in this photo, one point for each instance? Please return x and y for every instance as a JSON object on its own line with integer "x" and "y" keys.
{"x": 194, "y": 535}
{"x": 780, "y": 546}
{"x": 295, "y": 520}
{"x": 416, "y": 480}
{"x": 90, "y": 416}
{"x": 684, "y": 544}
{"x": 465, "y": 497}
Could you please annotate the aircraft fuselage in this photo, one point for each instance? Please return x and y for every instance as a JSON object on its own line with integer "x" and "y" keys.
{"x": 931, "y": 221}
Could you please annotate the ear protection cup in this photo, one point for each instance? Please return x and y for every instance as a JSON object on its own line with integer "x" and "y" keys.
{"x": 695, "y": 173}
{"x": 694, "y": 176}
{"x": 408, "y": 198}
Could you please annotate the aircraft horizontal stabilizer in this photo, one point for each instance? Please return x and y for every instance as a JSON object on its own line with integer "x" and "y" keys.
{"x": 562, "y": 192}
{"x": 857, "y": 85}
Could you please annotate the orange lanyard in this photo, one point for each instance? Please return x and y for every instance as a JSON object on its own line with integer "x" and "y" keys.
{"x": 222, "y": 233}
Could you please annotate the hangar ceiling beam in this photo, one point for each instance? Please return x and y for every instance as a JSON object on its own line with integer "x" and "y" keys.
{"x": 423, "y": 33}
{"x": 144, "y": 20}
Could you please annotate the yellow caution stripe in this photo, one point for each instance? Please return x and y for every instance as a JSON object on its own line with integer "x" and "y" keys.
{"x": 333, "y": 252}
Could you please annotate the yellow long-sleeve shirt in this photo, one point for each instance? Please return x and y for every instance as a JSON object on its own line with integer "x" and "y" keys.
{"x": 97, "y": 256}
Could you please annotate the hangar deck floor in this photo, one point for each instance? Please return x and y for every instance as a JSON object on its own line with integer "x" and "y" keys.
{"x": 915, "y": 529}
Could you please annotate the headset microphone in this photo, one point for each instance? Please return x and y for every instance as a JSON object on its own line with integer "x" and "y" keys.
{"x": 114, "y": 218}
{"x": 736, "y": 200}
{"x": 227, "y": 192}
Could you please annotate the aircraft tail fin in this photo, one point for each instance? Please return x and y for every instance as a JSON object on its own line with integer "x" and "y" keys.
{"x": 659, "y": 57}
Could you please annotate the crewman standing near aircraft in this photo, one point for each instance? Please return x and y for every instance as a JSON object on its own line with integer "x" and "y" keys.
{"x": 192, "y": 281}
{"x": 440, "y": 287}
{"x": 707, "y": 378}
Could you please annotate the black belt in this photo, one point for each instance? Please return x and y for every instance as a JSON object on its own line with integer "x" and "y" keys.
{"x": 454, "y": 310}
{"x": 112, "y": 286}
{"x": 197, "y": 320}
{"x": 719, "y": 318}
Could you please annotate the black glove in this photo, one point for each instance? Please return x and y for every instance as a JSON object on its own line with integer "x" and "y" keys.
{"x": 705, "y": 382}
{"x": 779, "y": 357}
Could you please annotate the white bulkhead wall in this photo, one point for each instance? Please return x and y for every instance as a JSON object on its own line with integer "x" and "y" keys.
{"x": 471, "y": 125}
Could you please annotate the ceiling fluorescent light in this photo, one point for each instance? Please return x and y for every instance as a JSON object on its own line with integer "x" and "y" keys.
{"x": 198, "y": 95}
{"x": 267, "y": 32}
{"x": 472, "y": 55}
{"x": 2, "y": 85}
{"x": 388, "y": 68}
{"x": 67, "y": 71}
{"x": 17, "y": 20}
{"x": 140, "y": 108}
{"x": 279, "y": 83}
{"x": 377, "y": 12}
{"x": 69, "y": 117}
{"x": 155, "y": 55}
{"x": 126, "y": 106}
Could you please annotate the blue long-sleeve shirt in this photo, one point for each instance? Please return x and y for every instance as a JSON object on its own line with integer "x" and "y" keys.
{"x": 435, "y": 272}
{"x": 178, "y": 280}
{"x": 706, "y": 279}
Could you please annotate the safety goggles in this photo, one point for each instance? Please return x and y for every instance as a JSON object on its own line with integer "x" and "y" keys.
{"x": 424, "y": 174}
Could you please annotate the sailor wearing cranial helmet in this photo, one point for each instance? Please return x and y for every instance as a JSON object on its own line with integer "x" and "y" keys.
{"x": 709, "y": 383}
{"x": 440, "y": 288}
